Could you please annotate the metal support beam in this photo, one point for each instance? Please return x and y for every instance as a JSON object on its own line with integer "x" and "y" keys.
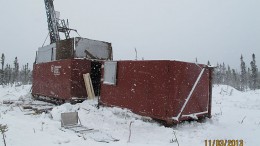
{"x": 52, "y": 21}
{"x": 189, "y": 96}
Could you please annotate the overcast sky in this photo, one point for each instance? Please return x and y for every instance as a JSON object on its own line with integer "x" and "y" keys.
{"x": 215, "y": 30}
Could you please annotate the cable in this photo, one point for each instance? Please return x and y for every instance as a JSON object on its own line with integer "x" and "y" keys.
{"x": 45, "y": 39}
{"x": 77, "y": 33}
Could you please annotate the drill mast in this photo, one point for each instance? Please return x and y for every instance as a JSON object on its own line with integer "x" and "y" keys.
{"x": 55, "y": 25}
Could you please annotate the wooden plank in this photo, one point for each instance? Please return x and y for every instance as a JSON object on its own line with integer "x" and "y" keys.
{"x": 89, "y": 86}
{"x": 90, "y": 95}
{"x": 86, "y": 84}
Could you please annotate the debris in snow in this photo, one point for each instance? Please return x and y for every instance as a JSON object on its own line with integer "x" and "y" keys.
{"x": 242, "y": 120}
{"x": 8, "y": 102}
{"x": 130, "y": 131}
{"x": 28, "y": 104}
{"x": 174, "y": 140}
{"x": 102, "y": 137}
{"x": 3, "y": 130}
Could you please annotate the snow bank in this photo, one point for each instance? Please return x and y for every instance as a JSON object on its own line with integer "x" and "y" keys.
{"x": 67, "y": 107}
{"x": 14, "y": 93}
{"x": 224, "y": 90}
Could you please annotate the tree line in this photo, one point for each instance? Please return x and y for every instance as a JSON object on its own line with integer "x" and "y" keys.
{"x": 13, "y": 74}
{"x": 247, "y": 78}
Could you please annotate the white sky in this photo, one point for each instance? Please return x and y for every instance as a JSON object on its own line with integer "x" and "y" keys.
{"x": 215, "y": 30}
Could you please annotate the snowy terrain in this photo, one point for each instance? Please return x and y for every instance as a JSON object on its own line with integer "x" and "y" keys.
{"x": 236, "y": 115}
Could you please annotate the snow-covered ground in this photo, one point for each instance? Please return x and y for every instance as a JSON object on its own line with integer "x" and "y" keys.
{"x": 236, "y": 116}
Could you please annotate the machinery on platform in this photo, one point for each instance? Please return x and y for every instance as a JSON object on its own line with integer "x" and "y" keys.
{"x": 59, "y": 67}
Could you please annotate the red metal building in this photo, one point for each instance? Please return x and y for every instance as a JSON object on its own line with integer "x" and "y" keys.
{"x": 64, "y": 79}
{"x": 171, "y": 91}
{"x": 59, "y": 68}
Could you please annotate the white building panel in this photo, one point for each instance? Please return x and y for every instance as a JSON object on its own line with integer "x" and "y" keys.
{"x": 86, "y": 48}
{"x": 46, "y": 53}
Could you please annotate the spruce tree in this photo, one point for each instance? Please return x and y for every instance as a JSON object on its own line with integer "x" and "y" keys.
{"x": 16, "y": 69}
{"x": 3, "y": 60}
{"x": 235, "y": 81}
{"x": 217, "y": 75}
{"x": 7, "y": 76}
{"x": 24, "y": 74}
{"x": 208, "y": 63}
{"x": 223, "y": 74}
{"x": 2, "y": 70}
{"x": 228, "y": 76}
{"x": 249, "y": 78}
{"x": 243, "y": 74}
{"x": 254, "y": 72}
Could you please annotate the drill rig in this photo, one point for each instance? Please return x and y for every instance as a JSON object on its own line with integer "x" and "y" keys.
{"x": 59, "y": 67}
{"x": 56, "y": 25}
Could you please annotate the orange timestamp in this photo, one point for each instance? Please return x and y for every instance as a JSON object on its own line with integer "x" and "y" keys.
{"x": 224, "y": 142}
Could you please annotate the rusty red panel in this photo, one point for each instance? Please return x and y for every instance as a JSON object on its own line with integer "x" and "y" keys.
{"x": 158, "y": 89}
{"x": 61, "y": 79}
{"x": 140, "y": 87}
{"x": 80, "y": 67}
{"x": 183, "y": 76}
